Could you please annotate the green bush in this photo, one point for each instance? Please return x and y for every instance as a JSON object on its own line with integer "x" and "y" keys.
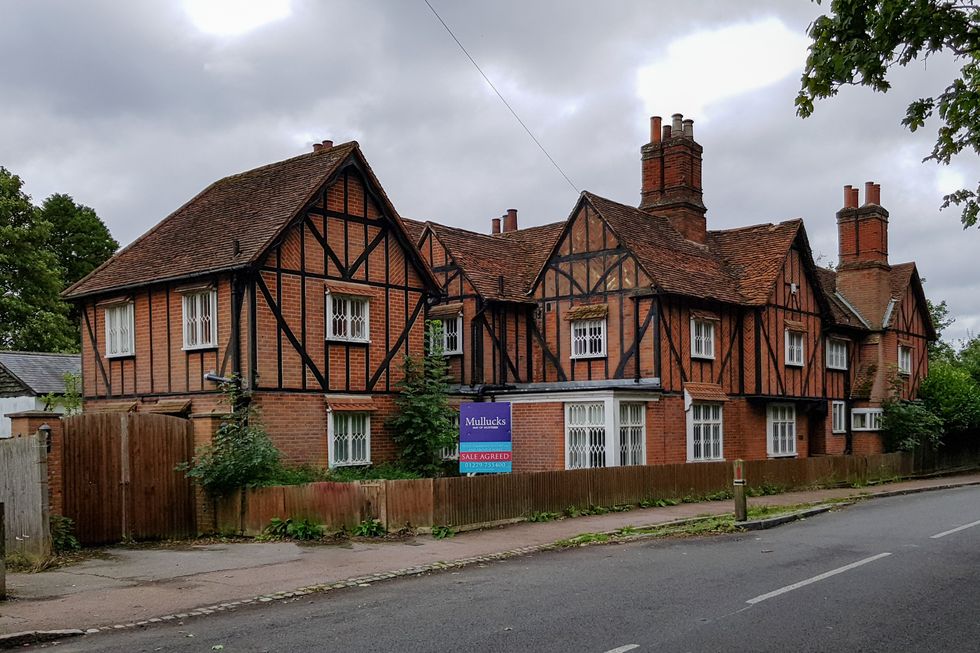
{"x": 951, "y": 394}
{"x": 443, "y": 532}
{"x": 239, "y": 455}
{"x": 63, "y": 538}
{"x": 907, "y": 425}
{"x": 370, "y": 528}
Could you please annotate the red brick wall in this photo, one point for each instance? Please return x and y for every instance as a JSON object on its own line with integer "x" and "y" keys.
{"x": 538, "y": 437}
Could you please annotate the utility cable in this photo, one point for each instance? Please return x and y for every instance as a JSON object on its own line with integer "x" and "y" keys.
{"x": 499, "y": 95}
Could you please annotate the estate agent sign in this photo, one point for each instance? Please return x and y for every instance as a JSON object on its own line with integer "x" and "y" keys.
{"x": 484, "y": 438}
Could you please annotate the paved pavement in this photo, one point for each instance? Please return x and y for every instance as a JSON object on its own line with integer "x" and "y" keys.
{"x": 137, "y": 585}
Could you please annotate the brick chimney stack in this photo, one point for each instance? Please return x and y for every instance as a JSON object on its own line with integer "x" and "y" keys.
{"x": 863, "y": 271}
{"x": 510, "y": 220}
{"x": 494, "y": 225}
{"x": 671, "y": 184}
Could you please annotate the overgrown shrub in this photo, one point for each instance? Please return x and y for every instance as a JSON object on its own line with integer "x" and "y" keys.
{"x": 63, "y": 538}
{"x": 951, "y": 394}
{"x": 240, "y": 453}
{"x": 422, "y": 427}
{"x": 908, "y": 425}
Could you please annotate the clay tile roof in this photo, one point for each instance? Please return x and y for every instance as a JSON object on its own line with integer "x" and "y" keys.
{"x": 414, "y": 229}
{"x": 514, "y": 255}
{"x": 842, "y": 313}
{"x": 705, "y": 391}
{"x": 676, "y": 264}
{"x": 198, "y": 238}
{"x": 755, "y": 255}
{"x": 899, "y": 278}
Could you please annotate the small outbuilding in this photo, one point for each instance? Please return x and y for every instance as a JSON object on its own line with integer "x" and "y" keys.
{"x": 27, "y": 378}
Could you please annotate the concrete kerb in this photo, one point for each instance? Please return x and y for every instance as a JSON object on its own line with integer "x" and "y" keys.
{"x": 9, "y": 641}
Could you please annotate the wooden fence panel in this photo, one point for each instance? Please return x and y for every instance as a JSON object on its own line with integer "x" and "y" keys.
{"x": 120, "y": 478}
{"x": 24, "y": 493}
{"x": 408, "y": 503}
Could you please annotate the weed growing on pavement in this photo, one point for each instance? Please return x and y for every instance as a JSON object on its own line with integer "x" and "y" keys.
{"x": 764, "y": 490}
{"x": 306, "y": 530}
{"x": 63, "y": 538}
{"x": 369, "y": 528}
{"x": 583, "y": 540}
{"x": 540, "y": 517}
{"x": 658, "y": 503}
{"x": 442, "y": 532}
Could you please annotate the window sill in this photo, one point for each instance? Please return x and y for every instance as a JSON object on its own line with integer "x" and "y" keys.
{"x": 450, "y": 354}
{"x": 800, "y": 365}
{"x": 838, "y": 432}
{"x": 783, "y": 455}
{"x": 854, "y": 430}
{"x": 835, "y": 369}
{"x": 358, "y": 464}
{"x": 587, "y": 358}
{"x": 201, "y": 348}
{"x": 345, "y": 341}
{"x": 901, "y": 373}
{"x": 702, "y": 357}
{"x": 118, "y": 356}
{"x": 705, "y": 460}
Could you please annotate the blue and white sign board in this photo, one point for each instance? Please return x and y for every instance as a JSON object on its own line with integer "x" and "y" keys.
{"x": 485, "y": 438}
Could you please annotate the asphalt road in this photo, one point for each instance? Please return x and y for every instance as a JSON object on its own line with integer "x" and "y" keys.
{"x": 886, "y": 575}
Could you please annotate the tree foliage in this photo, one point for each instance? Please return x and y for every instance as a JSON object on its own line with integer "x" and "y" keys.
{"x": 32, "y": 315}
{"x": 240, "y": 453}
{"x": 422, "y": 427}
{"x": 859, "y": 41}
{"x": 78, "y": 237}
{"x": 951, "y": 394}
{"x": 941, "y": 320}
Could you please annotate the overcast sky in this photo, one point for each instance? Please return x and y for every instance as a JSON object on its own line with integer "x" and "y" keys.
{"x": 134, "y": 107}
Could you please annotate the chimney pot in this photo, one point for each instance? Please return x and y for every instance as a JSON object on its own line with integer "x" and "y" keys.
{"x": 510, "y": 220}
{"x": 876, "y": 194}
{"x": 317, "y": 147}
{"x": 854, "y": 198}
{"x": 689, "y": 129}
{"x": 666, "y": 132}
{"x": 655, "y": 122}
{"x": 847, "y": 196}
{"x": 495, "y": 225}
{"x": 869, "y": 192}
{"x": 677, "y": 126}
{"x": 327, "y": 144}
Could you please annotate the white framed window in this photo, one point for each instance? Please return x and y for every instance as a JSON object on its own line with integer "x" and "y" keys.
{"x": 705, "y": 433}
{"x": 589, "y": 338}
{"x": 452, "y": 453}
{"x": 794, "y": 348}
{"x": 836, "y": 354}
{"x": 451, "y": 334}
{"x": 348, "y": 318}
{"x": 632, "y": 432}
{"x": 349, "y": 439}
{"x": 781, "y": 426}
{"x": 200, "y": 311}
{"x": 904, "y": 359}
{"x": 119, "y": 330}
{"x": 702, "y": 338}
{"x": 866, "y": 419}
{"x": 838, "y": 417}
{"x": 585, "y": 435}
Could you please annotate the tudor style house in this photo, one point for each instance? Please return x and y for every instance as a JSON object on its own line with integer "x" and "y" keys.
{"x": 622, "y": 336}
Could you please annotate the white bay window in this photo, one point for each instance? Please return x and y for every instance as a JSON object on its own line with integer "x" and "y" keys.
{"x": 781, "y": 427}
{"x": 605, "y": 433}
{"x": 704, "y": 432}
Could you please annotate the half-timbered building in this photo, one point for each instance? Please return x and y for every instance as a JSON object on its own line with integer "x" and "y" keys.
{"x": 622, "y": 335}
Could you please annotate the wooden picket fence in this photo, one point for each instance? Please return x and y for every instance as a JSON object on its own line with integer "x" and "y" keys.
{"x": 466, "y": 502}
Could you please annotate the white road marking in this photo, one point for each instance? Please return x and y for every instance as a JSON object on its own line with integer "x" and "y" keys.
{"x": 820, "y": 577}
{"x": 955, "y": 530}
{"x": 623, "y": 649}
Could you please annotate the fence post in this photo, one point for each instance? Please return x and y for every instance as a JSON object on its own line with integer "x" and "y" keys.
{"x": 43, "y": 481}
{"x": 3, "y": 555}
{"x": 741, "y": 511}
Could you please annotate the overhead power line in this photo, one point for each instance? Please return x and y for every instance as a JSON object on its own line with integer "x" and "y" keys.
{"x": 502, "y": 99}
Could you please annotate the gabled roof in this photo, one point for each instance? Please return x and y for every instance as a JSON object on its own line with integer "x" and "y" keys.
{"x": 250, "y": 208}
{"x": 515, "y": 256}
{"x": 901, "y": 277}
{"x": 40, "y": 373}
{"x": 841, "y": 311}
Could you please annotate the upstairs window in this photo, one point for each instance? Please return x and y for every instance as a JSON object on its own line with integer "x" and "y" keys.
{"x": 702, "y": 339}
{"x": 200, "y": 319}
{"x": 904, "y": 359}
{"x": 119, "y": 330}
{"x": 449, "y": 333}
{"x": 347, "y": 318}
{"x": 589, "y": 338}
{"x": 794, "y": 348}
{"x": 836, "y": 354}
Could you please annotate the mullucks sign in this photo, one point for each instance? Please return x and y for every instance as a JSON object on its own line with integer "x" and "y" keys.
{"x": 485, "y": 438}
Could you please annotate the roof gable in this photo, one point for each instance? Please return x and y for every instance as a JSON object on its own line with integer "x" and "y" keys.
{"x": 233, "y": 222}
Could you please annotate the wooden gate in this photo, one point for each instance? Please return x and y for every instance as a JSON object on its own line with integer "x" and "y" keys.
{"x": 120, "y": 480}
